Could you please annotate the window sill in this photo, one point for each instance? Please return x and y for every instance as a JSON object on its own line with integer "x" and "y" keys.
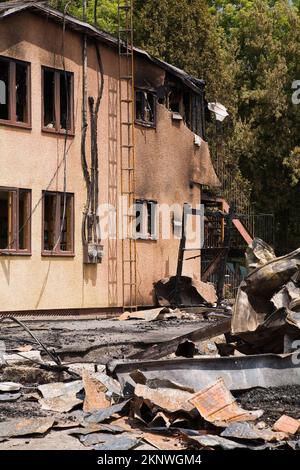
{"x": 58, "y": 255}
{"x": 145, "y": 124}
{"x": 15, "y": 253}
{"x": 59, "y": 133}
{"x": 21, "y": 125}
{"x": 146, "y": 238}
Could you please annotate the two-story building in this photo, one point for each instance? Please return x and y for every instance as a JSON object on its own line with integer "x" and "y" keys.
{"x": 61, "y": 159}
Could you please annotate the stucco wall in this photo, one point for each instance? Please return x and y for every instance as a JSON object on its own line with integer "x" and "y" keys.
{"x": 29, "y": 159}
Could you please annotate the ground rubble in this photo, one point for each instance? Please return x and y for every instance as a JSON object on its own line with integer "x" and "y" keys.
{"x": 197, "y": 378}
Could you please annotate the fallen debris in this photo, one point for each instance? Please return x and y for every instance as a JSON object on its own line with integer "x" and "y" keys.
{"x": 209, "y": 440}
{"x": 24, "y": 427}
{"x": 10, "y": 387}
{"x": 60, "y": 397}
{"x": 287, "y": 424}
{"x": 119, "y": 443}
{"x": 218, "y": 406}
{"x": 95, "y": 398}
{"x": 169, "y": 347}
{"x": 185, "y": 291}
{"x": 9, "y": 396}
{"x": 239, "y": 373}
{"x": 167, "y": 399}
{"x": 249, "y": 431}
{"x": 106, "y": 413}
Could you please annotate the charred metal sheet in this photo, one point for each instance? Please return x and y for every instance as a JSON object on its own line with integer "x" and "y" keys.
{"x": 58, "y": 389}
{"x": 10, "y": 386}
{"x": 210, "y": 440}
{"x": 249, "y": 431}
{"x": 146, "y": 315}
{"x": 9, "y": 396}
{"x": 254, "y": 306}
{"x": 96, "y": 428}
{"x": 99, "y": 438}
{"x": 95, "y": 397}
{"x": 23, "y": 427}
{"x": 238, "y": 373}
{"x": 118, "y": 443}
{"x": 60, "y": 397}
{"x": 7, "y": 9}
{"x": 106, "y": 413}
{"x": 218, "y": 406}
{"x": 168, "y": 399}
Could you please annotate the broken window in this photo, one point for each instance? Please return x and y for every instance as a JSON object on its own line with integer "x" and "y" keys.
{"x": 146, "y": 219}
{"x": 58, "y": 223}
{"x": 15, "y": 220}
{"x": 14, "y": 92}
{"x": 57, "y": 100}
{"x": 145, "y": 107}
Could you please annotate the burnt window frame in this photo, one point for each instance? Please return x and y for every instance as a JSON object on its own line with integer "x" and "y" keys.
{"x": 143, "y": 122}
{"x": 12, "y": 99}
{"x": 144, "y": 233}
{"x": 57, "y": 129}
{"x": 14, "y": 249}
{"x": 58, "y": 252}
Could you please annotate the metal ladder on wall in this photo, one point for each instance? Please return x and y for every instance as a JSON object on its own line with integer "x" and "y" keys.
{"x": 127, "y": 152}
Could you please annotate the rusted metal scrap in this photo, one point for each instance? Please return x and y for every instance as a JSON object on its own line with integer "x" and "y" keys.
{"x": 95, "y": 397}
{"x": 60, "y": 397}
{"x": 167, "y": 399}
{"x": 218, "y": 406}
{"x": 23, "y": 427}
{"x": 238, "y": 372}
{"x": 249, "y": 431}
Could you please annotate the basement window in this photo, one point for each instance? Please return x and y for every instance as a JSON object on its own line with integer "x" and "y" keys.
{"x": 58, "y": 100}
{"x": 145, "y": 108}
{"x": 58, "y": 223}
{"x": 14, "y": 92}
{"x": 15, "y": 221}
{"x": 146, "y": 220}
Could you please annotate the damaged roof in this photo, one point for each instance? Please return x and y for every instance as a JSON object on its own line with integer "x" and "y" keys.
{"x": 42, "y": 8}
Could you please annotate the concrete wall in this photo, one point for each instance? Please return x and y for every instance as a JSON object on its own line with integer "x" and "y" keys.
{"x": 29, "y": 159}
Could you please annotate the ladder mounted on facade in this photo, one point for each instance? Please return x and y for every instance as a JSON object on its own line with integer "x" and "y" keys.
{"x": 127, "y": 152}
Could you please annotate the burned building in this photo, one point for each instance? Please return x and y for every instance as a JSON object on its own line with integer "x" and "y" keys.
{"x": 87, "y": 120}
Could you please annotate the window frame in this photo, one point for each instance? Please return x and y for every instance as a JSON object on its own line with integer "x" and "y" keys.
{"x": 12, "y": 103}
{"x": 58, "y": 252}
{"x": 144, "y": 233}
{"x": 57, "y": 129}
{"x": 142, "y": 122}
{"x": 16, "y": 251}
